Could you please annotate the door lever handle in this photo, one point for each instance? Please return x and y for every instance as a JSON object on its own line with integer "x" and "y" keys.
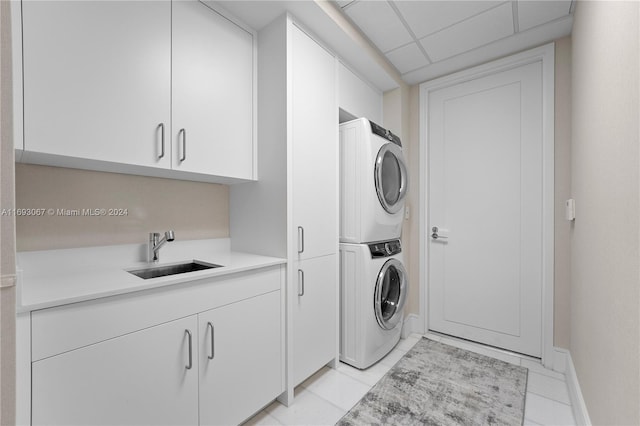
{"x": 437, "y": 234}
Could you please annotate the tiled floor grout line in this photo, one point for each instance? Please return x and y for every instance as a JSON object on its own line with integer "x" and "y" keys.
{"x": 327, "y": 401}
{"x": 550, "y": 399}
{"x": 482, "y": 351}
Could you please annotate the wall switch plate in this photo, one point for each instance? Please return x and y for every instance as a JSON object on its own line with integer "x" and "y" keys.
{"x": 406, "y": 212}
{"x": 570, "y": 209}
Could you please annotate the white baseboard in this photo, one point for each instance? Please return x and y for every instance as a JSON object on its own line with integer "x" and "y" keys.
{"x": 559, "y": 361}
{"x": 411, "y": 325}
{"x": 563, "y": 363}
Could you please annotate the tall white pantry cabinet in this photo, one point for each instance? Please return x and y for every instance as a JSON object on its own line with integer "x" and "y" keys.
{"x": 292, "y": 210}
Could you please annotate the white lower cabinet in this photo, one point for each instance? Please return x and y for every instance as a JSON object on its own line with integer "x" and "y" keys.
{"x": 314, "y": 316}
{"x": 139, "y": 378}
{"x": 239, "y": 359}
{"x": 213, "y": 356}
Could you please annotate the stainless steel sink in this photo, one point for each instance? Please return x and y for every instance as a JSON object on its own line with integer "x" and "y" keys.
{"x": 180, "y": 268}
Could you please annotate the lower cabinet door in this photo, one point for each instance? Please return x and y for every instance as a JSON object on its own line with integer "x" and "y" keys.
{"x": 240, "y": 359}
{"x": 315, "y": 316}
{"x": 149, "y": 377}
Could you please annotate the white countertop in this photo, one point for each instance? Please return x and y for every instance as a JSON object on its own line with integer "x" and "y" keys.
{"x": 59, "y": 277}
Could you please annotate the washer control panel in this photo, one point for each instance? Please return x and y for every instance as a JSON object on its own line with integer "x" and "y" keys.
{"x": 385, "y": 248}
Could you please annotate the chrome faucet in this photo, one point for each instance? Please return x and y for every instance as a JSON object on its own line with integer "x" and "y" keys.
{"x": 155, "y": 244}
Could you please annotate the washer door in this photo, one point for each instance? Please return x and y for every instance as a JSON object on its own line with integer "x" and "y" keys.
{"x": 390, "y": 294}
{"x": 391, "y": 177}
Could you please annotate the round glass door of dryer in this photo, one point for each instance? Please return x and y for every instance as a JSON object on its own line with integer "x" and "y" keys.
{"x": 390, "y": 294}
{"x": 391, "y": 178}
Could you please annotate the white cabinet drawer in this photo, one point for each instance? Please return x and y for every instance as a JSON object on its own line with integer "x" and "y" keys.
{"x": 65, "y": 328}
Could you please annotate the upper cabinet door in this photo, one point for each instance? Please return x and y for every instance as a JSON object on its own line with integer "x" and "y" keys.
{"x": 357, "y": 97}
{"x": 97, "y": 80}
{"x": 315, "y": 147}
{"x": 212, "y": 86}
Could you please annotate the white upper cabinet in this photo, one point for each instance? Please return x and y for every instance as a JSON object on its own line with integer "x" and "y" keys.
{"x": 358, "y": 97}
{"x": 212, "y": 74}
{"x": 97, "y": 79}
{"x": 145, "y": 87}
{"x": 314, "y": 147}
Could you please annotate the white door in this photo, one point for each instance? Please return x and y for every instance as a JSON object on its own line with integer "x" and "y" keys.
{"x": 212, "y": 89}
{"x": 485, "y": 173}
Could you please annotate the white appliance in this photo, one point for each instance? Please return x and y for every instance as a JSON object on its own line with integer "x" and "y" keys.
{"x": 373, "y": 286}
{"x": 373, "y": 183}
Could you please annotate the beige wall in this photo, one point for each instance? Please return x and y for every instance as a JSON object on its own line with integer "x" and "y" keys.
{"x": 397, "y": 113}
{"x": 562, "y": 181}
{"x": 412, "y": 226}
{"x": 7, "y": 239}
{"x": 194, "y": 210}
{"x": 605, "y": 267}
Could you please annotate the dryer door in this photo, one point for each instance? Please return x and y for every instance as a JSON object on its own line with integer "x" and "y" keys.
{"x": 390, "y": 294}
{"x": 391, "y": 177}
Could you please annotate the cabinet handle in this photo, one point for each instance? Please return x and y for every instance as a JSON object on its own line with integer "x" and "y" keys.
{"x": 161, "y": 125}
{"x": 188, "y": 367}
{"x": 213, "y": 348}
{"x": 300, "y": 239}
{"x": 184, "y": 145}
{"x": 301, "y": 282}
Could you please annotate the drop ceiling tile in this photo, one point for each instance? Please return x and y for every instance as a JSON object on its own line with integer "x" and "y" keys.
{"x": 427, "y": 17}
{"x": 482, "y": 29}
{"x": 534, "y": 13}
{"x": 407, "y": 58}
{"x": 380, "y": 23}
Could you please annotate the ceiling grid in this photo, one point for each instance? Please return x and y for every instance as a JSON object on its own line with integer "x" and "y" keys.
{"x": 424, "y": 38}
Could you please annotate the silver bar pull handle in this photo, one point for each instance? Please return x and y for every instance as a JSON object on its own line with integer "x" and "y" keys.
{"x": 213, "y": 348}
{"x": 161, "y": 126}
{"x": 183, "y": 132}
{"x": 188, "y": 366}
{"x": 300, "y": 239}
{"x": 300, "y": 282}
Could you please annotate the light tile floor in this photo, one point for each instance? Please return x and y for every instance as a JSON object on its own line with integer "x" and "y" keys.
{"x": 327, "y": 395}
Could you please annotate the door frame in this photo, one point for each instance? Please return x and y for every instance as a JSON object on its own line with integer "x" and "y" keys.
{"x": 545, "y": 55}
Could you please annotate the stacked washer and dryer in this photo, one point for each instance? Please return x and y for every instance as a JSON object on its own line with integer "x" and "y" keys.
{"x": 373, "y": 280}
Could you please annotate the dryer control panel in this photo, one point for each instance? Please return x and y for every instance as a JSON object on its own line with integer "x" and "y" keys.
{"x": 385, "y": 248}
{"x": 385, "y": 133}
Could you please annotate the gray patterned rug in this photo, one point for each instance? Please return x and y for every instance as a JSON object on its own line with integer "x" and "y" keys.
{"x": 437, "y": 384}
